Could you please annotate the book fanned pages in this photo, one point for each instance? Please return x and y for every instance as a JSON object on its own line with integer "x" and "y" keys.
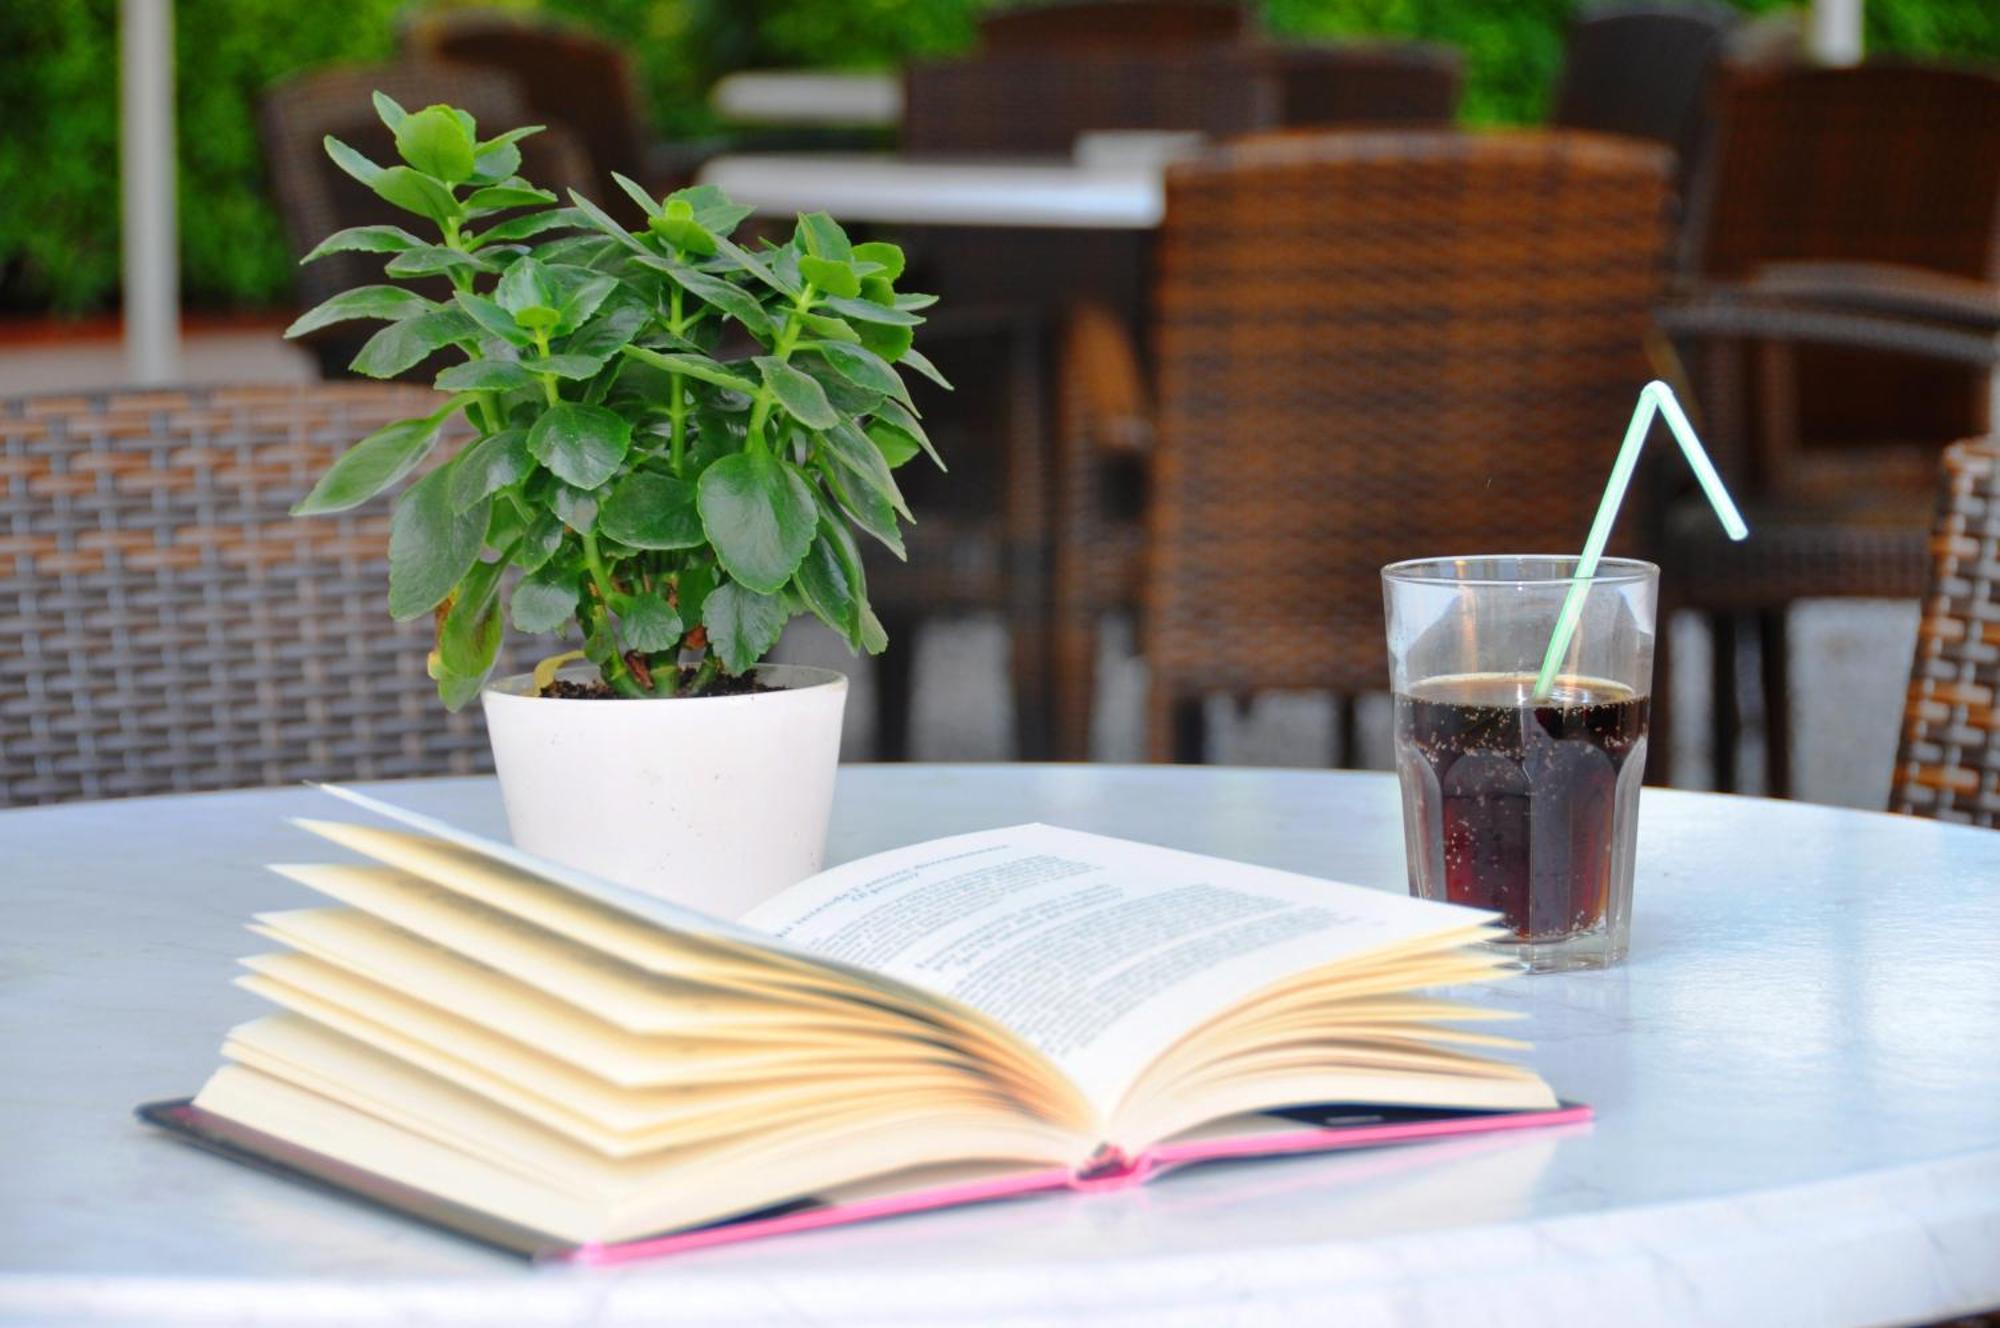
{"x": 568, "y": 1069}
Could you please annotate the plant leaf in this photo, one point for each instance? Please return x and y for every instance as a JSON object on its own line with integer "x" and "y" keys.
{"x": 923, "y": 366}
{"x": 524, "y": 285}
{"x": 732, "y": 300}
{"x": 742, "y": 624}
{"x": 492, "y": 319}
{"x": 756, "y": 267}
{"x": 437, "y": 143}
{"x": 581, "y": 444}
{"x": 539, "y": 542}
{"x": 581, "y": 301}
{"x": 823, "y": 583}
{"x": 830, "y": 275}
{"x": 510, "y": 193}
{"x": 610, "y": 332}
{"x": 430, "y": 546}
{"x": 488, "y": 466}
{"x": 867, "y": 311}
{"x": 896, "y": 447}
{"x": 391, "y": 302}
{"x": 364, "y": 240}
{"x": 389, "y": 110}
{"x": 864, "y": 368}
{"x": 351, "y": 161}
{"x": 694, "y": 366}
{"x": 647, "y": 622}
{"x": 484, "y": 376}
{"x": 890, "y": 257}
{"x": 820, "y": 236}
{"x": 905, "y": 422}
{"x": 649, "y": 511}
{"x": 573, "y": 367}
{"x": 522, "y": 228}
{"x": 545, "y": 599}
{"x": 371, "y": 465}
{"x": 469, "y": 637}
{"x": 803, "y": 399}
{"x": 868, "y": 509}
{"x": 604, "y": 221}
{"x": 760, "y": 515}
{"x": 715, "y": 211}
{"x": 403, "y": 345}
{"x": 413, "y": 191}
{"x": 432, "y": 260}
{"x": 861, "y": 458}
{"x": 637, "y": 193}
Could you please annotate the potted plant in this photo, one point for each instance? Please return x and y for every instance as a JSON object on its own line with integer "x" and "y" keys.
{"x": 677, "y": 444}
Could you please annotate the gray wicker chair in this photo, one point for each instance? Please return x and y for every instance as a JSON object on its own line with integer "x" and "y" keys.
{"x": 165, "y": 626}
{"x": 1949, "y": 765}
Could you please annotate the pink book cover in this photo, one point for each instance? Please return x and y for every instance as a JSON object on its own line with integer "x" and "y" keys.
{"x": 1320, "y": 1130}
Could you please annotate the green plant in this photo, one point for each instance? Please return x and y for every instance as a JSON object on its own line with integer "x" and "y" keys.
{"x": 679, "y": 507}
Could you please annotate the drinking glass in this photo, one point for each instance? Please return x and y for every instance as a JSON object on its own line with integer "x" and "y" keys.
{"x": 1525, "y": 805}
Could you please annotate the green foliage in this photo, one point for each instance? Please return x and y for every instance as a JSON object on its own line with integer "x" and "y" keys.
{"x": 679, "y": 508}
{"x": 58, "y": 98}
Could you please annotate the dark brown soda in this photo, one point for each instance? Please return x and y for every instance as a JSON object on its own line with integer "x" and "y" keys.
{"x": 1513, "y": 804}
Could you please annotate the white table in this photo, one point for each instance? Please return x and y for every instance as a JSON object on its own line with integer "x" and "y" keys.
{"x": 1797, "y": 1078}
{"x": 808, "y": 97}
{"x": 855, "y": 186}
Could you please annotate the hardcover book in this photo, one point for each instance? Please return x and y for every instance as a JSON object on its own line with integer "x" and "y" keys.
{"x": 566, "y": 1068}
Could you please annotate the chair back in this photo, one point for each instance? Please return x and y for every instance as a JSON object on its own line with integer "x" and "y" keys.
{"x": 1949, "y": 762}
{"x": 166, "y": 626}
{"x": 1410, "y": 83}
{"x": 1643, "y": 70}
{"x": 565, "y": 73}
{"x": 316, "y": 198}
{"x": 1887, "y": 162}
{"x": 1890, "y": 163}
{"x": 1376, "y": 345}
{"x": 1119, "y": 24}
{"x": 1035, "y": 103}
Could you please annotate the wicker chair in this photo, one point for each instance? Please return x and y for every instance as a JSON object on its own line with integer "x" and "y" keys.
{"x": 1123, "y": 24}
{"x": 1837, "y": 323}
{"x": 1408, "y": 83}
{"x": 1643, "y": 70}
{"x": 168, "y": 627}
{"x": 567, "y": 74}
{"x": 316, "y": 198}
{"x": 1949, "y": 765}
{"x": 1370, "y": 345}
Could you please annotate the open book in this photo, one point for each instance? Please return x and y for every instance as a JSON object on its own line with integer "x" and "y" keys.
{"x": 564, "y": 1066}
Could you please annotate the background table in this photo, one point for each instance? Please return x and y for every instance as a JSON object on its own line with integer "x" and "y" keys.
{"x": 1796, "y": 1075}
{"x": 864, "y": 187}
{"x": 808, "y": 97}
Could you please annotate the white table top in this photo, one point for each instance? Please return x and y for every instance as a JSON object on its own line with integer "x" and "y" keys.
{"x": 808, "y": 97}
{"x": 1797, "y": 1078}
{"x": 854, "y": 186}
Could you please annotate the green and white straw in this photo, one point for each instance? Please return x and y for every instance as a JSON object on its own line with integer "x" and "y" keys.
{"x": 1656, "y": 398}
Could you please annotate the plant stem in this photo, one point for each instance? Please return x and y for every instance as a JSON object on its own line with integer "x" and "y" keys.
{"x": 548, "y": 379}
{"x": 704, "y": 675}
{"x": 787, "y": 340}
{"x": 676, "y": 405}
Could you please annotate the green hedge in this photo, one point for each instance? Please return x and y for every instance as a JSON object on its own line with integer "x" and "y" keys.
{"x": 59, "y": 101}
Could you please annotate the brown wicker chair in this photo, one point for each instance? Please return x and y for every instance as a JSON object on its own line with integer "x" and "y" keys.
{"x": 168, "y": 627}
{"x": 1370, "y": 345}
{"x": 1114, "y": 23}
{"x": 1837, "y": 325}
{"x": 1643, "y": 70}
{"x": 316, "y": 198}
{"x": 567, "y": 74}
{"x": 1949, "y": 764}
{"x": 1409, "y": 83}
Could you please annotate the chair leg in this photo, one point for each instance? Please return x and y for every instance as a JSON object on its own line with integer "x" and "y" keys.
{"x": 895, "y": 685}
{"x": 1725, "y": 720}
{"x": 1660, "y": 721}
{"x": 1074, "y": 688}
{"x": 1190, "y": 730}
{"x": 1347, "y": 738}
{"x": 1774, "y": 656}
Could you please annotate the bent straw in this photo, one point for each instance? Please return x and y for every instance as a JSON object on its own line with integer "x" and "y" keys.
{"x": 1655, "y": 398}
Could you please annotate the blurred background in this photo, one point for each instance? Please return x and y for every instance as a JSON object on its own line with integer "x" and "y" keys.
{"x": 1413, "y": 258}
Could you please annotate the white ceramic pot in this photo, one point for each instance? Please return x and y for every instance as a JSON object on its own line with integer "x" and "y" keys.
{"x": 715, "y": 802}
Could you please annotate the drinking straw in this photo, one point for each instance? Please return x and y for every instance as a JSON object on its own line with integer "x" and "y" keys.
{"x": 1655, "y": 398}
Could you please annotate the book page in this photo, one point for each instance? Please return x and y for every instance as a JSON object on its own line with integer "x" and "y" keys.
{"x": 1099, "y": 952}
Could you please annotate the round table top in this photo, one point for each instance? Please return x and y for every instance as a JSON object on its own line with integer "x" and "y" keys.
{"x": 1796, "y": 1075}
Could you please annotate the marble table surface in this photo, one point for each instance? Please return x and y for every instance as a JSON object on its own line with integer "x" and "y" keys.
{"x": 1797, "y": 1079}
{"x": 1104, "y": 192}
